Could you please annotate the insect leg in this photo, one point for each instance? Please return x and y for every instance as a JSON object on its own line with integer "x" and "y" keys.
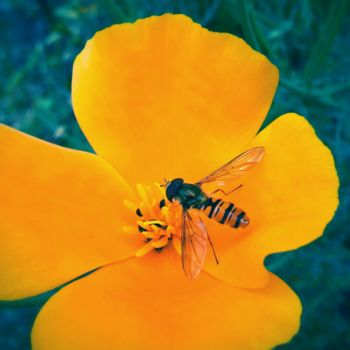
{"x": 225, "y": 193}
{"x": 212, "y": 247}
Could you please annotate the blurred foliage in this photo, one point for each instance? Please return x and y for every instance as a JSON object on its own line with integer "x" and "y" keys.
{"x": 308, "y": 41}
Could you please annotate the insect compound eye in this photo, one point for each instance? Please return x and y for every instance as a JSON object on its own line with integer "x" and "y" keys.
{"x": 173, "y": 188}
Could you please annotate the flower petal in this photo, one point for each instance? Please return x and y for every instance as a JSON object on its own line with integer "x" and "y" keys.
{"x": 61, "y": 213}
{"x": 148, "y": 304}
{"x": 160, "y": 97}
{"x": 290, "y": 197}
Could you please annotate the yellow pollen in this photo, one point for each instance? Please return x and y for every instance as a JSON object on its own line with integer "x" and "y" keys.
{"x": 157, "y": 221}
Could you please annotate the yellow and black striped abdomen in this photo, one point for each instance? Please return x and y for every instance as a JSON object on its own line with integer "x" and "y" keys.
{"x": 225, "y": 213}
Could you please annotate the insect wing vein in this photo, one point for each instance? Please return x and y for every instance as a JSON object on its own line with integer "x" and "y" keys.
{"x": 235, "y": 168}
{"x": 193, "y": 245}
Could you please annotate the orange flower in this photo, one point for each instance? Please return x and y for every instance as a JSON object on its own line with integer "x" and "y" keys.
{"x": 160, "y": 98}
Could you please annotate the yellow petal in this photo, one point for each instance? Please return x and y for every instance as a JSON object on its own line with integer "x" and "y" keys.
{"x": 160, "y": 97}
{"x": 148, "y": 304}
{"x": 61, "y": 215}
{"x": 290, "y": 198}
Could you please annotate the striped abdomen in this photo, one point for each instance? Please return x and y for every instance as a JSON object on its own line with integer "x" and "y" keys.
{"x": 225, "y": 213}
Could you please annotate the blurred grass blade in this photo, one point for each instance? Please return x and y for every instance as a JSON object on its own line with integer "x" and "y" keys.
{"x": 325, "y": 40}
{"x": 117, "y": 12}
{"x": 247, "y": 28}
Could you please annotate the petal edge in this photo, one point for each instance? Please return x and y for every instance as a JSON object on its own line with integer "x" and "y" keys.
{"x": 60, "y": 214}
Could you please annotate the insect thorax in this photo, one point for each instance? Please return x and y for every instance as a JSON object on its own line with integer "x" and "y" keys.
{"x": 191, "y": 196}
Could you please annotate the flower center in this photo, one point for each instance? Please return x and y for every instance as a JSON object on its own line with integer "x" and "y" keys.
{"x": 156, "y": 219}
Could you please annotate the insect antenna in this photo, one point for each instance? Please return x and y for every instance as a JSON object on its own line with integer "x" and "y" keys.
{"x": 166, "y": 182}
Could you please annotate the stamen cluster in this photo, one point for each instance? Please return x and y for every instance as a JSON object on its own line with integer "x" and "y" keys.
{"x": 157, "y": 219}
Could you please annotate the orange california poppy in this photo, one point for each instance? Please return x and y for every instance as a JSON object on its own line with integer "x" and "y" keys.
{"x": 161, "y": 98}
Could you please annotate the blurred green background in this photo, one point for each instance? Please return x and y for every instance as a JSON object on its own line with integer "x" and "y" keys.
{"x": 310, "y": 43}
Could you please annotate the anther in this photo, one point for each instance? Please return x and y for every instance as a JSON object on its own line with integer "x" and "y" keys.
{"x": 141, "y": 229}
{"x": 156, "y": 219}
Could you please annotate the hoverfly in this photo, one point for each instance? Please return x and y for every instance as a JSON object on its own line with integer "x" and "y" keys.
{"x": 194, "y": 236}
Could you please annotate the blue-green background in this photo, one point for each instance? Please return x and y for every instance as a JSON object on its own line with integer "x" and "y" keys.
{"x": 309, "y": 42}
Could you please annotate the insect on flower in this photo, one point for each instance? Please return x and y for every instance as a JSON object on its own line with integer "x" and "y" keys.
{"x": 66, "y": 212}
{"x": 194, "y": 236}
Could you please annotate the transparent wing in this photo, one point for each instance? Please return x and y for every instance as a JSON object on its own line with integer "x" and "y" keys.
{"x": 235, "y": 168}
{"x": 193, "y": 245}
